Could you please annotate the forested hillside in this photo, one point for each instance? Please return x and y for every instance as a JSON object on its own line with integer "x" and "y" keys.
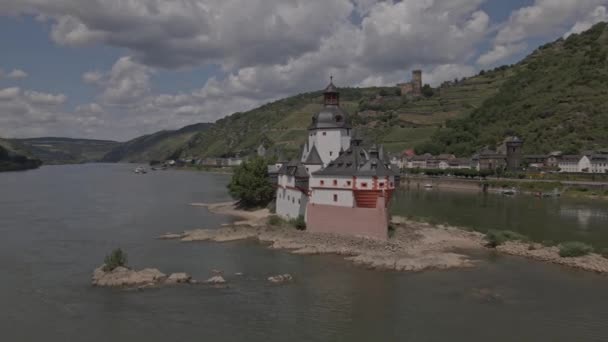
{"x": 157, "y": 146}
{"x": 14, "y": 160}
{"x": 380, "y": 113}
{"x": 556, "y": 99}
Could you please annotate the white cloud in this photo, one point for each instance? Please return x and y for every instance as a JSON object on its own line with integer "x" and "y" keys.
{"x": 92, "y": 77}
{"x": 599, "y": 14}
{"x": 17, "y": 74}
{"x": 9, "y": 93}
{"x": 38, "y": 98}
{"x": 545, "y": 18}
{"x": 499, "y": 53}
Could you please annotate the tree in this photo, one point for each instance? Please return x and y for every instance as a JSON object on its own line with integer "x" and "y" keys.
{"x": 427, "y": 91}
{"x": 117, "y": 258}
{"x": 250, "y": 184}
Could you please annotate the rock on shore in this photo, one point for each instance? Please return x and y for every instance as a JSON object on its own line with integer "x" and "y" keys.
{"x": 124, "y": 277}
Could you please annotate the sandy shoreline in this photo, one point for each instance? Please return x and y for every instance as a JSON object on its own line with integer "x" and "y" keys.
{"x": 413, "y": 246}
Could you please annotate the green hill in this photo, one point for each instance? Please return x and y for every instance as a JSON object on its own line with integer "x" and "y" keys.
{"x": 157, "y": 146}
{"x": 380, "y": 113}
{"x": 555, "y": 99}
{"x": 12, "y": 159}
{"x": 53, "y": 150}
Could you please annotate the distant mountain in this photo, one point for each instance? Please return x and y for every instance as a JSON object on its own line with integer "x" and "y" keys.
{"x": 156, "y": 146}
{"x": 52, "y": 150}
{"x": 556, "y": 99}
{"x": 14, "y": 160}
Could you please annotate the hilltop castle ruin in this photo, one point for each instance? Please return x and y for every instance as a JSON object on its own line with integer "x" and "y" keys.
{"x": 414, "y": 87}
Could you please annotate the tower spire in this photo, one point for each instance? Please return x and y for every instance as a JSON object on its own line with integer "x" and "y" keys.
{"x": 331, "y": 94}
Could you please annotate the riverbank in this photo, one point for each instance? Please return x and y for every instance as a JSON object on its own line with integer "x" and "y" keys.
{"x": 574, "y": 189}
{"x": 413, "y": 245}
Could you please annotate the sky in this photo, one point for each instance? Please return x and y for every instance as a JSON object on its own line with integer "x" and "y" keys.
{"x": 118, "y": 69}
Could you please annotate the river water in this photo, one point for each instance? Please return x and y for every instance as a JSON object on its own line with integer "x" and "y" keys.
{"x": 58, "y": 222}
{"x": 541, "y": 219}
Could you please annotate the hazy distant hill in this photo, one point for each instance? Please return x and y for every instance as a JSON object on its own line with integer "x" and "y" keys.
{"x": 156, "y": 146}
{"x": 12, "y": 159}
{"x": 53, "y": 150}
{"x": 556, "y": 99}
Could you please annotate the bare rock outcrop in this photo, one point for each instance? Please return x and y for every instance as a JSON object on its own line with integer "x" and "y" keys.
{"x": 216, "y": 280}
{"x": 125, "y": 277}
{"x": 179, "y": 278}
{"x": 280, "y": 278}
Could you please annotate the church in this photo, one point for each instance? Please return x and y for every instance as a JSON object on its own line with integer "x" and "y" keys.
{"x": 336, "y": 184}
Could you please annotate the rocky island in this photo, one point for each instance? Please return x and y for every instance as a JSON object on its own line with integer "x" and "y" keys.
{"x": 413, "y": 245}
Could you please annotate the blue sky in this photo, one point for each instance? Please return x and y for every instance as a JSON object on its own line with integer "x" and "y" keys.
{"x": 115, "y": 69}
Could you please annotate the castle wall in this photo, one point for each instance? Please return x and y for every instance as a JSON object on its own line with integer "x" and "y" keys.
{"x": 291, "y": 203}
{"x": 329, "y": 142}
{"x": 334, "y": 197}
{"x": 367, "y": 222}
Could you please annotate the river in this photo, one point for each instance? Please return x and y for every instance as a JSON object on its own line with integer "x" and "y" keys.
{"x": 541, "y": 219}
{"x": 58, "y": 222}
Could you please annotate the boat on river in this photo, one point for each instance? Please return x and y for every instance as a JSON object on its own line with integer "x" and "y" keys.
{"x": 508, "y": 192}
{"x": 140, "y": 170}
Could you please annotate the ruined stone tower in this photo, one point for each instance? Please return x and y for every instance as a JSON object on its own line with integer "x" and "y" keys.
{"x": 417, "y": 82}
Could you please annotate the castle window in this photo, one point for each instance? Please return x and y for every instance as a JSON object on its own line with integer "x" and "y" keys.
{"x": 298, "y": 201}
{"x": 322, "y": 182}
{"x": 335, "y": 182}
{"x": 364, "y": 185}
{"x": 382, "y": 184}
{"x": 390, "y": 184}
{"x": 348, "y": 183}
{"x": 324, "y": 133}
{"x": 335, "y": 198}
{"x": 331, "y": 153}
{"x": 293, "y": 200}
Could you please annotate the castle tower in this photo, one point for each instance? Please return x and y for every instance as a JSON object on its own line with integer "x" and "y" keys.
{"x": 417, "y": 82}
{"x": 330, "y": 130}
{"x": 514, "y": 147}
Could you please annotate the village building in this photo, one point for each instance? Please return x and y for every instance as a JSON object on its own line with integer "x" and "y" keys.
{"x": 570, "y": 163}
{"x": 459, "y": 163}
{"x": 538, "y": 161}
{"x": 337, "y": 185}
{"x": 599, "y": 163}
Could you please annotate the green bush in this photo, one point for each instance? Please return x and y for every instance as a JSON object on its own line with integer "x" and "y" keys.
{"x": 250, "y": 184}
{"x": 548, "y": 243}
{"x": 574, "y": 249}
{"x": 299, "y": 223}
{"x": 498, "y": 237}
{"x": 115, "y": 259}
{"x": 274, "y": 220}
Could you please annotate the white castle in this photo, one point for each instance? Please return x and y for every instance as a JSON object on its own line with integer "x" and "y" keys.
{"x": 336, "y": 184}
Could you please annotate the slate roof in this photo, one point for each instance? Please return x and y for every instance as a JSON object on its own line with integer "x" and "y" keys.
{"x": 331, "y": 116}
{"x": 356, "y": 161}
{"x": 570, "y": 158}
{"x": 313, "y": 157}
{"x": 294, "y": 168}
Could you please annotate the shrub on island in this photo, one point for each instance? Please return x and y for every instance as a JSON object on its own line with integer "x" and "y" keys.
{"x": 574, "y": 249}
{"x": 496, "y": 238}
{"x": 299, "y": 223}
{"x": 117, "y": 258}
